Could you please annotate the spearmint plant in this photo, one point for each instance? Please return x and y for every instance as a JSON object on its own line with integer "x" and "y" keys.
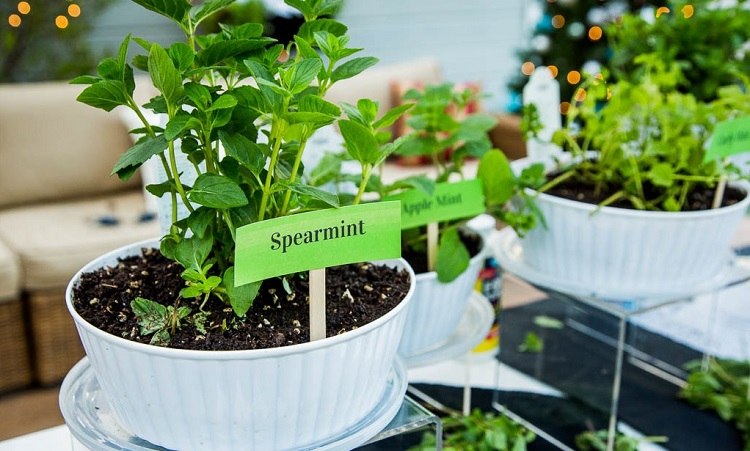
{"x": 242, "y": 109}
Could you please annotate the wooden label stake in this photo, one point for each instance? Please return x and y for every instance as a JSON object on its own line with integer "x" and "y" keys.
{"x": 432, "y": 245}
{"x": 719, "y": 195}
{"x": 317, "y": 304}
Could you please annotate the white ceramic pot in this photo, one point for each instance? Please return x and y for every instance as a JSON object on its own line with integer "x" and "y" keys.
{"x": 630, "y": 252}
{"x": 437, "y": 308}
{"x": 280, "y": 398}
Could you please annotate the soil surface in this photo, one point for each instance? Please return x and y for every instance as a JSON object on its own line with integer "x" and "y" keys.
{"x": 700, "y": 199}
{"x": 418, "y": 259}
{"x": 357, "y": 294}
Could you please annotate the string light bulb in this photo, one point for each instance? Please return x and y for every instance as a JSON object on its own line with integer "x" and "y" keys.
{"x": 661, "y": 10}
{"x": 558, "y": 21}
{"x": 24, "y": 7}
{"x": 595, "y": 33}
{"x": 61, "y": 22}
{"x": 527, "y": 68}
{"x": 564, "y": 107}
{"x": 688, "y": 11}
{"x": 574, "y": 77}
{"x": 554, "y": 70}
{"x": 14, "y": 20}
{"x": 74, "y": 10}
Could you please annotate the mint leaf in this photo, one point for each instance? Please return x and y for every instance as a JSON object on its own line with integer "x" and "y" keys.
{"x": 497, "y": 178}
{"x": 240, "y": 298}
{"x": 104, "y": 94}
{"x": 151, "y": 315}
{"x": 360, "y": 142}
{"x": 134, "y": 157}
{"x": 353, "y": 67}
{"x": 164, "y": 74}
{"x": 173, "y": 9}
{"x": 217, "y": 191}
{"x": 452, "y": 258}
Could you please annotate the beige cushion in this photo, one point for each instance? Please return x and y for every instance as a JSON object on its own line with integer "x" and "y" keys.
{"x": 10, "y": 275}
{"x": 375, "y": 83}
{"x": 54, "y": 241}
{"x": 53, "y": 147}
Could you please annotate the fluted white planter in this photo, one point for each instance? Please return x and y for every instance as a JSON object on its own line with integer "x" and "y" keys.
{"x": 437, "y": 308}
{"x": 267, "y": 399}
{"x": 630, "y": 252}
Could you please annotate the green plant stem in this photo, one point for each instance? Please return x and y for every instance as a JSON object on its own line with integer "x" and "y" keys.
{"x": 556, "y": 181}
{"x": 366, "y": 171}
{"x": 177, "y": 182}
{"x": 269, "y": 175}
{"x": 230, "y": 224}
{"x": 293, "y": 175}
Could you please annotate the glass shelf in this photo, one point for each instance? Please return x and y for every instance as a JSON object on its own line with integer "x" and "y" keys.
{"x": 412, "y": 417}
{"x": 609, "y": 350}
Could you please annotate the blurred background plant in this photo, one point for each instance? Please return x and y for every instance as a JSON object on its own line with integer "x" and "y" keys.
{"x": 46, "y": 39}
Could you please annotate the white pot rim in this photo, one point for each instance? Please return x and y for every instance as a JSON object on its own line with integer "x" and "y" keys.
{"x": 246, "y": 354}
{"x": 628, "y": 212}
{"x": 432, "y": 275}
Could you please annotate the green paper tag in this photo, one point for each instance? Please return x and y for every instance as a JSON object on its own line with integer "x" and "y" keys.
{"x": 448, "y": 201}
{"x": 318, "y": 239}
{"x": 730, "y": 138}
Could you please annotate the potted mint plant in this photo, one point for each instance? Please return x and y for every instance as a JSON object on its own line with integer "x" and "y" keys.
{"x": 446, "y": 255}
{"x": 192, "y": 350}
{"x": 639, "y": 209}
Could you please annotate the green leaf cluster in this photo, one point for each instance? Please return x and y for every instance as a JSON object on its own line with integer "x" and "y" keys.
{"x": 721, "y": 385}
{"x": 707, "y": 42}
{"x": 597, "y": 441}
{"x": 642, "y": 143}
{"x": 449, "y": 139}
{"x": 479, "y": 432}
{"x": 242, "y": 111}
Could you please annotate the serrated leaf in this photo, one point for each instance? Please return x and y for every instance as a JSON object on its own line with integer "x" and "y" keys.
{"x": 177, "y": 125}
{"x": 174, "y": 9}
{"x": 192, "y": 252}
{"x": 200, "y": 12}
{"x": 360, "y": 142}
{"x": 308, "y": 29}
{"x": 497, "y": 178}
{"x": 313, "y": 193}
{"x": 199, "y": 221}
{"x": 164, "y": 74}
{"x": 109, "y": 69}
{"x": 353, "y": 67}
{"x": 326, "y": 170}
{"x": 368, "y": 109}
{"x": 84, "y": 80}
{"x": 304, "y": 48}
{"x": 452, "y": 258}
{"x": 182, "y": 56}
{"x": 303, "y": 74}
{"x": 104, "y": 94}
{"x": 390, "y": 117}
{"x": 159, "y": 189}
{"x": 246, "y": 152}
{"x": 151, "y": 315}
{"x": 303, "y": 6}
{"x": 419, "y": 182}
{"x": 317, "y": 120}
{"x": 315, "y": 104}
{"x": 217, "y": 191}
{"x": 240, "y": 298}
{"x": 222, "y": 50}
{"x": 199, "y": 94}
{"x": 223, "y": 102}
{"x": 134, "y": 157}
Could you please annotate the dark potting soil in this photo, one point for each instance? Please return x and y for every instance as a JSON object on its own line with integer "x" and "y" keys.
{"x": 357, "y": 294}
{"x": 418, "y": 258}
{"x": 701, "y": 198}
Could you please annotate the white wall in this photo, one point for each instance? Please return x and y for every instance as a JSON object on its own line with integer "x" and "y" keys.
{"x": 475, "y": 40}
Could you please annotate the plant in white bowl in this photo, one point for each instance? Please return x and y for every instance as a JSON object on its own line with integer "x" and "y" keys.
{"x": 447, "y": 255}
{"x": 202, "y": 340}
{"x": 642, "y": 207}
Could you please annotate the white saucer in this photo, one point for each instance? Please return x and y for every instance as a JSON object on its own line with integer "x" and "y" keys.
{"x": 92, "y": 422}
{"x": 474, "y": 326}
{"x": 509, "y": 253}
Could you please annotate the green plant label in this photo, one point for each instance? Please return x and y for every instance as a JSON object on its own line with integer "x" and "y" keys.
{"x": 730, "y": 138}
{"x": 318, "y": 239}
{"x": 448, "y": 201}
